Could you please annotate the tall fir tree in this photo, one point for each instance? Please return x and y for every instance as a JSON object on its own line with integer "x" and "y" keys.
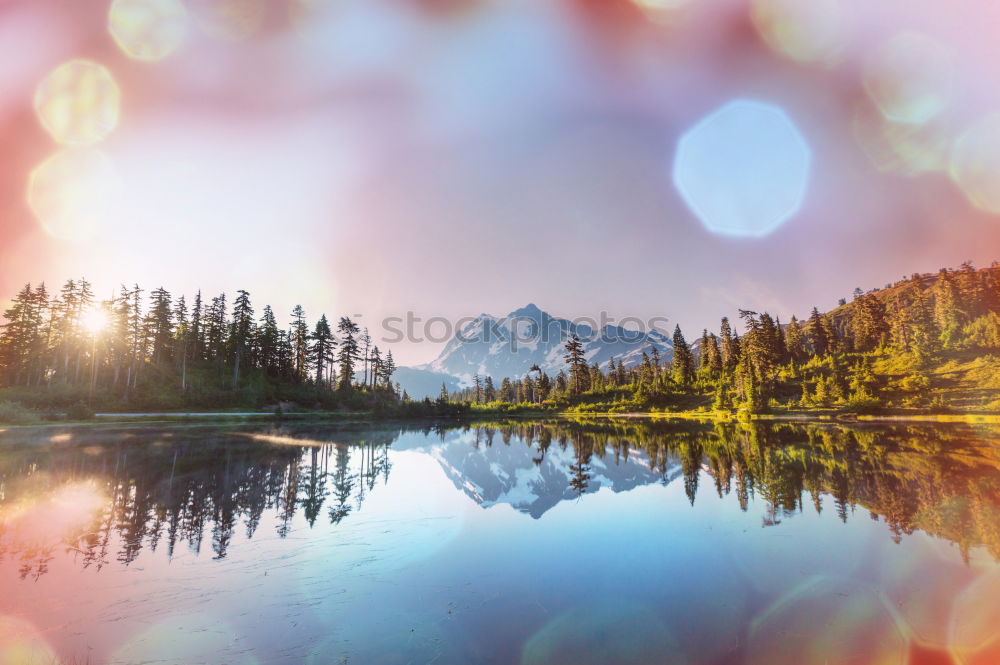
{"x": 683, "y": 362}
{"x": 348, "y": 352}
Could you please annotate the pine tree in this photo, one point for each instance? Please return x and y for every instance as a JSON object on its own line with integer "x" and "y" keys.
{"x": 703, "y": 352}
{"x": 730, "y": 349}
{"x": 748, "y": 383}
{"x": 321, "y": 349}
{"x": 42, "y": 321}
{"x": 376, "y": 366}
{"x": 780, "y": 343}
{"x": 299, "y": 339}
{"x": 596, "y": 379}
{"x": 17, "y": 339}
{"x": 196, "y": 346}
{"x": 818, "y": 335}
{"x": 215, "y": 333}
{"x": 348, "y": 352}
{"x": 717, "y": 359}
{"x": 577, "y": 362}
{"x": 794, "y": 340}
{"x": 388, "y": 369}
{"x": 507, "y": 391}
{"x": 544, "y": 385}
{"x": 159, "y": 325}
{"x": 365, "y": 345}
{"x": 241, "y": 333}
{"x": 683, "y": 363}
{"x": 948, "y": 308}
{"x": 181, "y": 341}
{"x": 268, "y": 340}
{"x": 972, "y": 292}
{"x": 924, "y": 333}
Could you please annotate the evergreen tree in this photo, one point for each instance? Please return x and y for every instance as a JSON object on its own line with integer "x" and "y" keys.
{"x": 241, "y": 333}
{"x": 716, "y": 363}
{"x": 159, "y": 325}
{"x": 18, "y": 337}
{"x": 729, "y": 345}
{"x": 348, "y": 352}
{"x": 780, "y": 343}
{"x": 683, "y": 363}
{"x": 299, "y": 339}
{"x": 924, "y": 333}
{"x": 268, "y": 342}
{"x": 376, "y": 367}
{"x": 182, "y": 336}
{"x": 215, "y": 334}
{"x": 196, "y": 344}
{"x": 507, "y": 391}
{"x": 818, "y": 336}
{"x": 321, "y": 349}
{"x": 388, "y": 369}
{"x": 544, "y": 386}
{"x": 794, "y": 342}
{"x": 365, "y": 345}
{"x": 577, "y": 362}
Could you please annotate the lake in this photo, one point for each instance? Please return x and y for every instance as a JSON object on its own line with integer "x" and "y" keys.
{"x": 613, "y": 541}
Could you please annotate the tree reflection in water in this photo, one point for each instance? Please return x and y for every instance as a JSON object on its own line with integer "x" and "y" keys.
{"x": 173, "y": 488}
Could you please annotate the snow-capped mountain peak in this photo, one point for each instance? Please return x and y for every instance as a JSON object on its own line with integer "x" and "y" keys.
{"x": 510, "y": 345}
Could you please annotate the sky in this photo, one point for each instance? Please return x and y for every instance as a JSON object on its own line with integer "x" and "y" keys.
{"x": 452, "y": 157}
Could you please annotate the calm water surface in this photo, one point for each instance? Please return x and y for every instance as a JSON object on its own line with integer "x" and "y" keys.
{"x": 524, "y": 543}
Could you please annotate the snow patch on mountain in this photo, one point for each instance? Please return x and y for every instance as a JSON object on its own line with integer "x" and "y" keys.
{"x": 510, "y": 345}
{"x": 518, "y": 475}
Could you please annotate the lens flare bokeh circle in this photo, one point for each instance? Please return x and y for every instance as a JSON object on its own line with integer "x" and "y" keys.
{"x": 975, "y": 163}
{"x": 910, "y": 78}
{"x": 78, "y": 103}
{"x": 810, "y": 32}
{"x": 743, "y": 170}
{"x": 71, "y": 193}
{"x": 148, "y": 30}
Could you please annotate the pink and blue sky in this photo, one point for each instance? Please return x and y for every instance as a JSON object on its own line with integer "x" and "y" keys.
{"x": 450, "y": 157}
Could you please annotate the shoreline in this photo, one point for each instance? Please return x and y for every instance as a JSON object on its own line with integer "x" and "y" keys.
{"x": 340, "y": 417}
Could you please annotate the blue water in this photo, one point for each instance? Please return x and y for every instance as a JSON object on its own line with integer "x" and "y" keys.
{"x": 530, "y": 543}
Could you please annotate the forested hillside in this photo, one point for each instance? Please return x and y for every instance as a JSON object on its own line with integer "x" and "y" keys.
{"x": 927, "y": 342}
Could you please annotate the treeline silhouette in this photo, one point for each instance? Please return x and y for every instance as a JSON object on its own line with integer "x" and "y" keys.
{"x": 159, "y": 351}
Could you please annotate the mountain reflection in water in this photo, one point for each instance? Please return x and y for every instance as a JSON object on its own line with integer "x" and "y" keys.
{"x": 101, "y": 500}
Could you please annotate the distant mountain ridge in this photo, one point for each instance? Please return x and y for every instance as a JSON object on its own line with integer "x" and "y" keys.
{"x": 510, "y": 345}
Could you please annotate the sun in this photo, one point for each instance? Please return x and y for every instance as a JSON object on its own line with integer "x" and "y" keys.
{"x": 95, "y": 321}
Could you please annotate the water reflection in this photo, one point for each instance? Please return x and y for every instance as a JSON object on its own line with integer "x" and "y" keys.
{"x": 170, "y": 492}
{"x": 105, "y": 497}
{"x": 409, "y": 543}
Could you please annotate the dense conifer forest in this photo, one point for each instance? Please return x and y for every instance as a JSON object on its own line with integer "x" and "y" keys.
{"x": 154, "y": 351}
{"x": 929, "y": 342}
